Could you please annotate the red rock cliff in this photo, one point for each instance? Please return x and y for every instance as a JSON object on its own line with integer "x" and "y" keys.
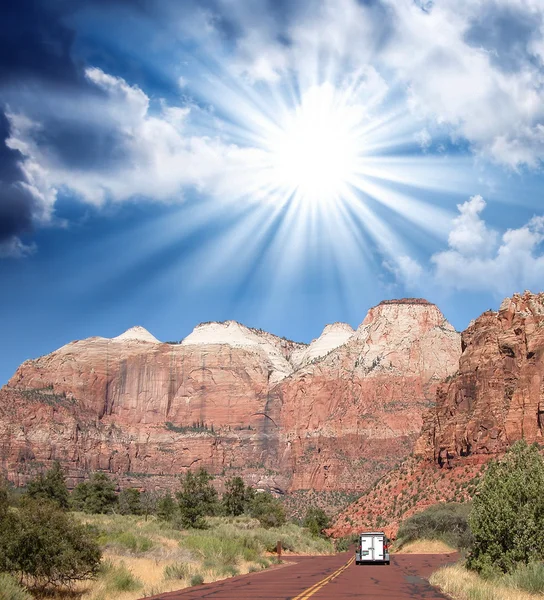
{"x": 331, "y": 415}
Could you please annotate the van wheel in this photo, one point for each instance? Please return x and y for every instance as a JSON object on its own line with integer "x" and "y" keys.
{"x": 387, "y": 563}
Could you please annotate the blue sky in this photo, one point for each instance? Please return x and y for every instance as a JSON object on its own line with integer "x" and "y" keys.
{"x": 283, "y": 164}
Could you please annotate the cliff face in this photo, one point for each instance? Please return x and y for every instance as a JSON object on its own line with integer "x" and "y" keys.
{"x": 350, "y": 416}
{"x": 331, "y": 415}
{"x": 497, "y": 396}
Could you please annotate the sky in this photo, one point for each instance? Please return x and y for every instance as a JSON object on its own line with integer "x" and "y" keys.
{"x": 285, "y": 164}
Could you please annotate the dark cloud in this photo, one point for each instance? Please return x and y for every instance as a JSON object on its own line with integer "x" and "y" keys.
{"x": 17, "y": 204}
{"x": 81, "y": 145}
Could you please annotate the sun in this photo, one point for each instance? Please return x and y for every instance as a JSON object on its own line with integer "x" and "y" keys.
{"x": 316, "y": 150}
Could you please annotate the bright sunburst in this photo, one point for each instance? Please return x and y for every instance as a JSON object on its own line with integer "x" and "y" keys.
{"x": 315, "y": 151}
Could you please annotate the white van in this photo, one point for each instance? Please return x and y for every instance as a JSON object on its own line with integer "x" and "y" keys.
{"x": 372, "y": 548}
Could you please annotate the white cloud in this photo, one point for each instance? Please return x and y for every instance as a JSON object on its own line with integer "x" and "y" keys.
{"x": 455, "y": 75}
{"x": 155, "y": 155}
{"x": 479, "y": 259}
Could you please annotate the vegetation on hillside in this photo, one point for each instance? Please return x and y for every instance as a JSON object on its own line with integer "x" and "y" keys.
{"x": 140, "y": 543}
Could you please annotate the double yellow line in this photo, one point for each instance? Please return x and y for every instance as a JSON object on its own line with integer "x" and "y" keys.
{"x": 320, "y": 584}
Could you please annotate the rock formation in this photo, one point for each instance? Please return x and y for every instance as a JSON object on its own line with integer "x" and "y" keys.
{"x": 495, "y": 398}
{"x": 331, "y": 415}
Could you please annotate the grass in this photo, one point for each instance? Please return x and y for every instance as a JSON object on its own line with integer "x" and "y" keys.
{"x": 144, "y": 558}
{"x": 461, "y": 584}
{"x": 425, "y": 547}
{"x": 11, "y": 590}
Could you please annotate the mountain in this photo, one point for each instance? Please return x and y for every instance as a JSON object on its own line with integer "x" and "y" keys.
{"x": 495, "y": 398}
{"x": 331, "y": 415}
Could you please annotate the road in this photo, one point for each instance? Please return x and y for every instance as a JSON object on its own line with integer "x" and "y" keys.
{"x": 328, "y": 578}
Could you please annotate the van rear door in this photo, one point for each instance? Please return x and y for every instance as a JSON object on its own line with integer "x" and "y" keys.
{"x": 367, "y": 547}
{"x": 378, "y": 548}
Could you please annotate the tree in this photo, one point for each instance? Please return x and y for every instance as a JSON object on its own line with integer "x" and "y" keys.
{"x": 235, "y": 498}
{"x": 51, "y": 486}
{"x": 46, "y": 545}
{"x": 316, "y": 520}
{"x": 267, "y": 509}
{"x": 95, "y": 496}
{"x": 130, "y": 502}
{"x": 166, "y": 508}
{"x": 507, "y": 517}
{"x": 197, "y": 498}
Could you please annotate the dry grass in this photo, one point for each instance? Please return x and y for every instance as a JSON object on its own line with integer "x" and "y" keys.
{"x": 136, "y": 553}
{"x": 461, "y": 584}
{"x": 425, "y": 547}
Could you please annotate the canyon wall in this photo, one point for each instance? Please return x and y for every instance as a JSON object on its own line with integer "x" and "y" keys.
{"x": 334, "y": 414}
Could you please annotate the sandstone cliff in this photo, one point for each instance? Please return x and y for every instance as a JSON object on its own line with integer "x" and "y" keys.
{"x": 331, "y": 415}
{"x": 495, "y": 398}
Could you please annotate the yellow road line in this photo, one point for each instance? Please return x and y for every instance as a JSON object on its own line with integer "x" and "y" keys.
{"x": 320, "y": 584}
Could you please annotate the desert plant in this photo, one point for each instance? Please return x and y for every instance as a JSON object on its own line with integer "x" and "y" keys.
{"x": 447, "y": 522}
{"x": 197, "y": 499}
{"x": 129, "y": 501}
{"x": 507, "y": 517}
{"x": 197, "y": 579}
{"x": 529, "y": 578}
{"x": 166, "y": 508}
{"x": 95, "y": 496}
{"x": 44, "y": 544}
{"x": 316, "y": 520}
{"x": 11, "y": 589}
{"x": 267, "y": 509}
{"x": 51, "y": 486}
{"x": 177, "y": 571}
{"x": 235, "y": 499}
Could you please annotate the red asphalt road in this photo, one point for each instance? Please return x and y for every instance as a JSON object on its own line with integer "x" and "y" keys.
{"x": 404, "y": 579}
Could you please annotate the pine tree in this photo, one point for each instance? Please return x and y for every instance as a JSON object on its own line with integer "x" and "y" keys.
{"x": 197, "y": 498}
{"x": 234, "y": 499}
{"x": 51, "y": 486}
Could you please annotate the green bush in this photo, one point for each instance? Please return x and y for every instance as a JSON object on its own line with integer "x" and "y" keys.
{"x": 237, "y": 497}
{"x": 507, "y": 517}
{"x": 267, "y": 509}
{"x": 45, "y": 544}
{"x": 96, "y": 496}
{"x": 129, "y": 501}
{"x": 197, "y": 499}
{"x": 316, "y": 520}
{"x": 343, "y": 544}
{"x": 10, "y": 589}
{"x": 136, "y": 543}
{"x": 166, "y": 508}
{"x": 529, "y": 578}
{"x": 51, "y": 486}
{"x": 197, "y": 579}
{"x": 445, "y": 522}
{"x": 177, "y": 571}
{"x": 119, "y": 578}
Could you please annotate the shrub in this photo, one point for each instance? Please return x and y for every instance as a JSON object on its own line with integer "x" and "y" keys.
{"x": 96, "y": 496}
{"x": 130, "y": 502}
{"x": 507, "y": 518}
{"x": 46, "y": 545}
{"x": 177, "y": 571}
{"x": 166, "y": 508}
{"x": 197, "y": 579}
{"x": 51, "y": 486}
{"x": 235, "y": 499}
{"x": 197, "y": 499}
{"x": 316, "y": 520}
{"x": 268, "y": 510}
{"x": 10, "y": 589}
{"x": 529, "y": 578}
{"x": 343, "y": 544}
{"x": 119, "y": 578}
{"x": 445, "y": 522}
